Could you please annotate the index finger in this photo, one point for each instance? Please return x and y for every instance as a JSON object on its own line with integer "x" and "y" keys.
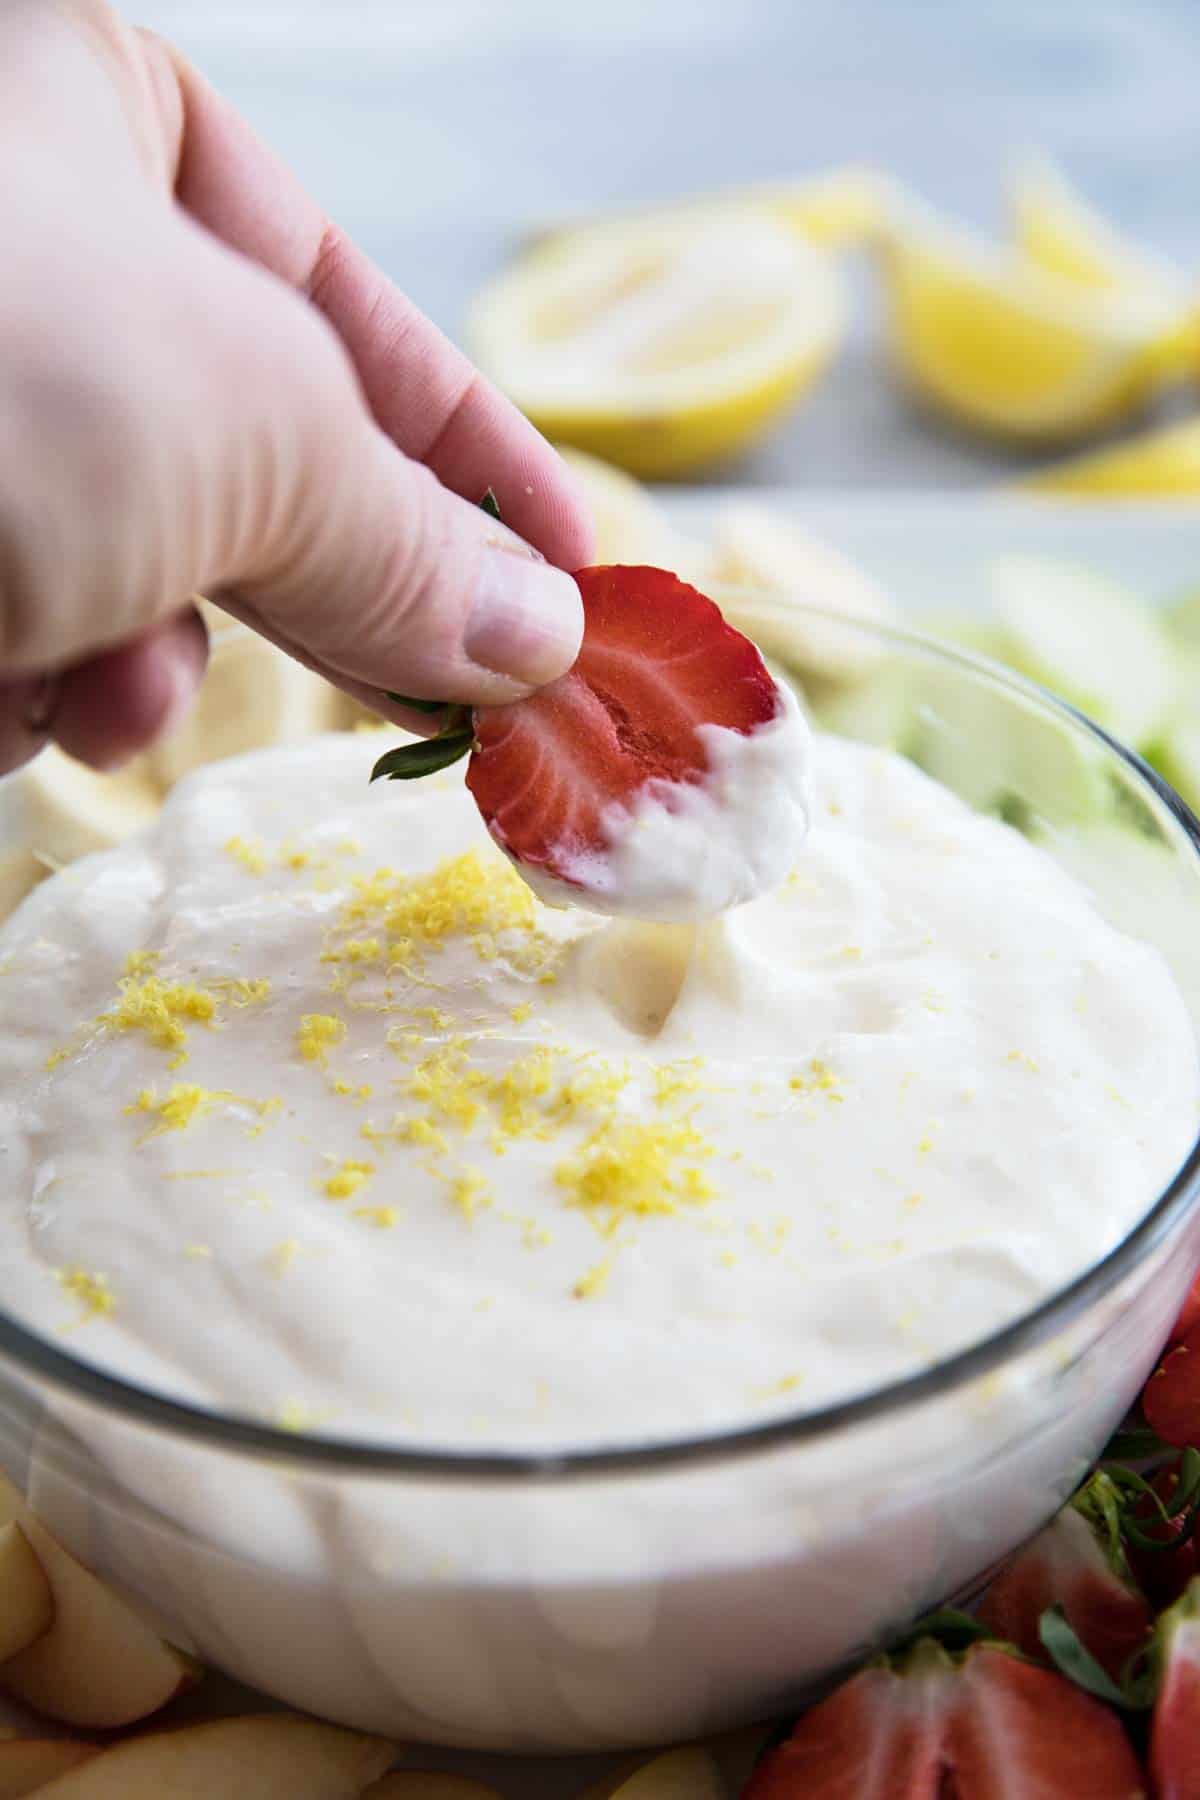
{"x": 424, "y": 393}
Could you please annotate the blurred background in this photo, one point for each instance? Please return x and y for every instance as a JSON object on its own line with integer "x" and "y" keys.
{"x": 441, "y": 132}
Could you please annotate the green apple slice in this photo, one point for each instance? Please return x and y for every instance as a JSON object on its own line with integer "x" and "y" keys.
{"x": 1088, "y": 639}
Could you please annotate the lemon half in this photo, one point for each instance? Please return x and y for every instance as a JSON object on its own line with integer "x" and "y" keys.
{"x": 665, "y": 344}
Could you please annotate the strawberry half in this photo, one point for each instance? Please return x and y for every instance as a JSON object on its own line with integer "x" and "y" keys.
{"x": 557, "y": 774}
{"x": 1175, "y": 1729}
{"x": 1171, "y": 1397}
{"x": 984, "y": 1726}
{"x": 1079, "y": 1565}
{"x": 1189, "y": 1314}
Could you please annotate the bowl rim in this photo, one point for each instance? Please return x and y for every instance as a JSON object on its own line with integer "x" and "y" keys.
{"x": 233, "y": 1435}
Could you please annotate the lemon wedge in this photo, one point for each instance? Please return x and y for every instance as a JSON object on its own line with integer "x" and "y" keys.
{"x": 1012, "y": 348}
{"x": 1152, "y": 465}
{"x": 1058, "y": 231}
{"x": 661, "y": 345}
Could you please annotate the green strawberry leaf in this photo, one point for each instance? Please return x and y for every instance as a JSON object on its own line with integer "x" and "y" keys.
{"x": 408, "y": 762}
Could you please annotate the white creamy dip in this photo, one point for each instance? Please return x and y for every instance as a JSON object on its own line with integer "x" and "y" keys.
{"x": 310, "y": 1111}
{"x": 689, "y": 851}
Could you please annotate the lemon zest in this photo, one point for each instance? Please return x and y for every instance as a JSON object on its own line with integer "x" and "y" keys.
{"x": 622, "y": 1171}
{"x": 92, "y": 1291}
{"x": 384, "y": 1217}
{"x": 594, "y": 1281}
{"x": 182, "y": 1102}
{"x": 348, "y": 1178}
{"x": 470, "y": 1192}
{"x": 316, "y": 1032}
{"x": 249, "y": 852}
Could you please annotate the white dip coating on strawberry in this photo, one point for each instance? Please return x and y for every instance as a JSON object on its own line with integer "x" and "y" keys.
{"x": 683, "y": 851}
{"x": 310, "y": 1111}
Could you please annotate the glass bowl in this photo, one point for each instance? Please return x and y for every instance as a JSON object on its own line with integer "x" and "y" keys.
{"x": 582, "y": 1600}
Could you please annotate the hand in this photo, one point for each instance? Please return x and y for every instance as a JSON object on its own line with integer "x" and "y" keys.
{"x": 204, "y": 386}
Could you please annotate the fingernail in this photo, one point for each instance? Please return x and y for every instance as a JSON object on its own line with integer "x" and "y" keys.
{"x": 42, "y": 704}
{"x": 526, "y": 620}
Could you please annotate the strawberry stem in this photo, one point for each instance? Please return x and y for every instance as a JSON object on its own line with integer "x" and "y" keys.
{"x": 1133, "y": 1693}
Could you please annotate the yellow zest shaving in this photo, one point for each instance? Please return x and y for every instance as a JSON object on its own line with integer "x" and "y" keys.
{"x": 244, "y": 991}
{"x": 158, "y": 1008}
{"x": 787, "y": 1384}
{"x": 316, "y": 1033}
{"x": 197, "y": 1252}
{"x": 595, "y": 1281}
{"x": 446, "y": 1084}
{"x": 354, "y": 950}
{"x": 348, "y": 1178}
{"x": 519, "y": 1014}
{"x": 420, "y": 1131}
{"x": 384, "y": 1217}
{"x": 470, "y": 1192}
{"x": 517, "y": 1092}
{"x": 141, "y": 962}
{"x": 251, "y": 855}
{"x": 675, "y": 1081}
{"x": 819, "y": 1079}
{"x": 92, "y": 1291}
{"x": 472, "y": 896}
{"x": 349, "y": 1091}
{"x": 182, "y": 1102}
{"x": 622, "y": 1171}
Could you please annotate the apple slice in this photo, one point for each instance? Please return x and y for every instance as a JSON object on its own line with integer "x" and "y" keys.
{"x": 26, "y": 1604}
{"x": 690, "y": 1773}
{"x": 27, "y": 1764}
{"x": 98, "y": 1664}
{"x": 428, "y": 1784}
{"x": 269, "y": 1756}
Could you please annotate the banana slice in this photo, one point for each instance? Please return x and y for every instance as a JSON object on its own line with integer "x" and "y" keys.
{"x": 253, "y": 695}
{"x": 630, "y": 526}
{"x": 758, "y": 553}
{"x": 55, "y": 810}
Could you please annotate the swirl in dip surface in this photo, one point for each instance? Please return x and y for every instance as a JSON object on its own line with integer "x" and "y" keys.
{"x": 310, "y": 1111}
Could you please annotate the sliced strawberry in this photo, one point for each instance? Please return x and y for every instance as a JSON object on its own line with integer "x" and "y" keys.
{"x": 1074, "y": 1564}
{"x": 1171, "y": 1397}
{"x": 1175, "y": 1730}
{"x": 986, "y": 1726}
{"x": 658, "y": 660}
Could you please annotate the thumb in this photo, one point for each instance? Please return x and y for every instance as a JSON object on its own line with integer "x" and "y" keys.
{"x": 387, "y": 580}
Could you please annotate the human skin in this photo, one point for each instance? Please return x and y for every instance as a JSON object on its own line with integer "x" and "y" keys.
{"x": 205, "y": 387}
